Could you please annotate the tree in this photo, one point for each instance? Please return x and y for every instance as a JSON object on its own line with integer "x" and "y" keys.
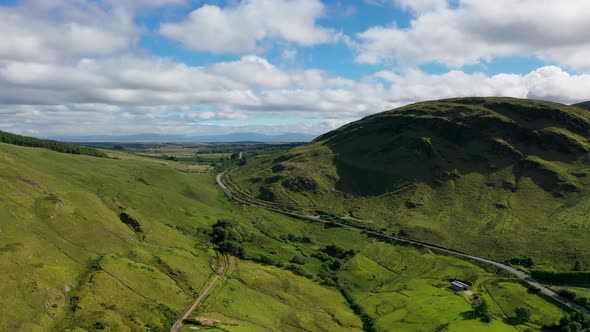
{"x": 578, "y": 266}
{"x": 523, "y": 314}
{"x": 481, "y": 309}
{"x": 568, "y": 294}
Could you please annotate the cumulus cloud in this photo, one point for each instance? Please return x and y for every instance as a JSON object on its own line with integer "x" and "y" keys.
{"x": 240, "y": 28}
{"x": 51, "y": 31}
{"x": 114, "y": 92}
{"x": 548, "y": 83}
{"x": 473, "y": 31}
{"x": 63, "y": 71}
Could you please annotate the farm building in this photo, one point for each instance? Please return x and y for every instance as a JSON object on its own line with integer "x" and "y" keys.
{"x": 459, "y": 286}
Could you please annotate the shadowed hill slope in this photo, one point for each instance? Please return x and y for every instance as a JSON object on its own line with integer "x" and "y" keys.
{"x": 492, "y": 176}
{"x": 585, "y": 105}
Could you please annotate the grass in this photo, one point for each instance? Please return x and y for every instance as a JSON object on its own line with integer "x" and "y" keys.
{"x": 66, "y": 237}
{"x": 407, "y": 289}
{"x": 497, "y": 177}
{"x": 508, "y": 296}
{"x": 69, "y": 263}
{"x": 259, "y": 298}
{"x": 62, "y": 211}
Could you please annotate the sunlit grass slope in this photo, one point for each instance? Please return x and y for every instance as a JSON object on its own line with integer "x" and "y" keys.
{"x": 121, "y": 244}
{"x": 497, "y": 177}
{"x": 263, "y": 298}
{"x": 68, "y": 260}
{"x": 406, "y": 289}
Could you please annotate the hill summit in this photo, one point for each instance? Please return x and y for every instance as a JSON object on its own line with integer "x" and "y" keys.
{"x": 476, "y": 174}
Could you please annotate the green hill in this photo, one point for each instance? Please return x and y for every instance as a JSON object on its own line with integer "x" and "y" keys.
{"x": 585, "y": 105}
{"x": 126, "y": 243}
{"x": 497, "y": 177}
{"x": 121, "y": 244}
{"x": 15, "y": 139}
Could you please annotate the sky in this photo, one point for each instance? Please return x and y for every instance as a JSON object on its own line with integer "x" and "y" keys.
{"x": 124, "y": 67}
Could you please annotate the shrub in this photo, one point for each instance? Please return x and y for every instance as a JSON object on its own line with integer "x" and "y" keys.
{"x": 481, "y": 309}
{"x": 568, "y": 294}
{"x": 338, "y": 252}
{"x": 522, "y": 314}
{"x": 298, "y": 259}
{"x": 232, "y": 248}
{"x": 524, "y": 261}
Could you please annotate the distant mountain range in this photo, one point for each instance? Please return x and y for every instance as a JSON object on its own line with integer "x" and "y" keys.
{"x": 235, "y": 137}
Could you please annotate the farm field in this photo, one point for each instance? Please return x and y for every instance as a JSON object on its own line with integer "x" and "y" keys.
{"x": 404, "y": 288}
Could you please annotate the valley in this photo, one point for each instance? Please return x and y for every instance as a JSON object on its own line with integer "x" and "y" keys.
{"x": 294, "y": 166}
{"x": 127, "y": 243}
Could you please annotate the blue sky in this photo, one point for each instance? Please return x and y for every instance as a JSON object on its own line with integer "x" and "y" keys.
{"x": 274, "y": 66}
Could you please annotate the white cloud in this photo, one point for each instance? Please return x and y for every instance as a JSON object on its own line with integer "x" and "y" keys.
{"x": 71, "y": 73}
{"x": 54, "y": 31}
{"x": 421, "y": 5}
{"x": 475, "y": 31}
{"x": 241, "y": 28}
{"x": 129, "y": 90}
{"x": 548, "y": 83}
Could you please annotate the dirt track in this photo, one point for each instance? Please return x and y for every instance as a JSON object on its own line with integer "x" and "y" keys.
{"x": 202, "y": 295}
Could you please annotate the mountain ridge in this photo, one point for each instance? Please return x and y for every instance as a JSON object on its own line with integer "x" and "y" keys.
{"x": 501, "y": 174}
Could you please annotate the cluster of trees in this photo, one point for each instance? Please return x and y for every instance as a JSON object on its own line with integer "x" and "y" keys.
{"x": 480, "y": 309}
{"x": 572, "y": 296}
{"x": 14, "y": 139}
{"x": 522, "y": 315}
{"x": 228, "y": 236}
{"x": 295, "y": 238}
{"x": 333, "y": 258}
{"x": 573, "y": 322}
{"x": 299, "y": 184}
{"x": 294, "y": 265}
{"x": 236, "y": 159}
{"x": 524, "y": 261}
{"x": 168, "y": 318}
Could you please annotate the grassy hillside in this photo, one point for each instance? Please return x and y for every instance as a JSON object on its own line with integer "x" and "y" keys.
{"x": 15, "y": 139}
{"x": 68, "y": 260}
{"x": 498, "y": 177}
{"x": 126, "y": 243}
{"x": 71, "y": 259}
{"x": 585, "y": 105}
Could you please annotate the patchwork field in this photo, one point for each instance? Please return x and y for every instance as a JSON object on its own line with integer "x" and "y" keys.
{"x": 408, "y": 289}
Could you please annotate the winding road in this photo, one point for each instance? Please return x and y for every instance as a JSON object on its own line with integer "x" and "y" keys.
{"x": 519, "y": 274}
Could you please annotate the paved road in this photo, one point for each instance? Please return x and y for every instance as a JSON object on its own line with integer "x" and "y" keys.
{"x": 220, "y": 270}
{"x": 519, "y": 274}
